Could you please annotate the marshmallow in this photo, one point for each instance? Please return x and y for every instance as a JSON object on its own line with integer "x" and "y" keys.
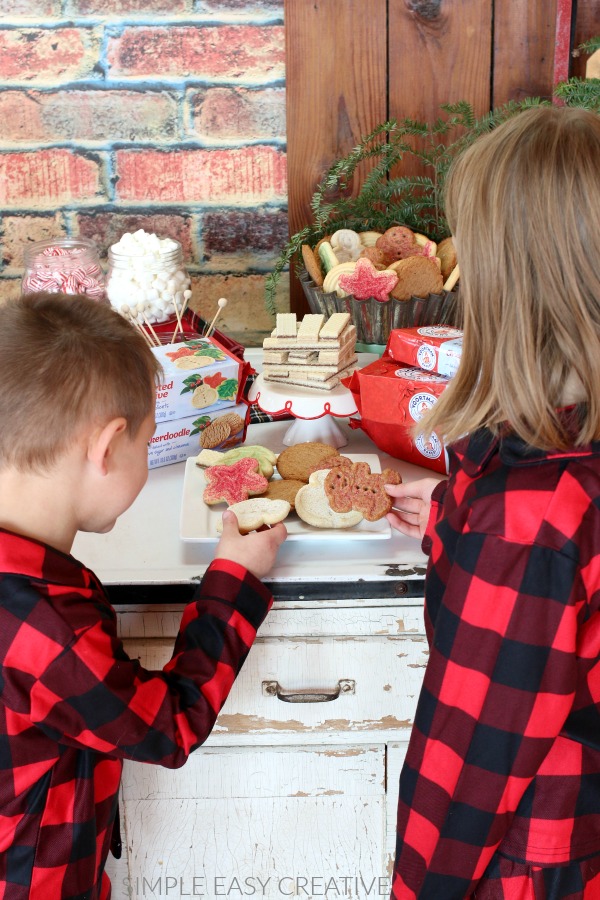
{"x": 146, "y": 271}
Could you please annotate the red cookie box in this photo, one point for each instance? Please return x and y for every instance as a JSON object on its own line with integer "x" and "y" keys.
{"x": 434, "y": 348}
{"x": 391, "y": 398}
{"x": 175, "y": 440}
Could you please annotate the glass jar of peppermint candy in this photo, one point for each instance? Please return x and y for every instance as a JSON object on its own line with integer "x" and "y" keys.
{"x": 147, "y": 279}
{"x": 63, "y": 265}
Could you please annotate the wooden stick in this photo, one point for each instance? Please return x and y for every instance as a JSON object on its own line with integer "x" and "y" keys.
{"x": 156, "y": 338}
{"x": 451, "y": 279}
{"x": 221, "y": 304}
{"x": 139, "y": 328}
{"x": 179, "y": 325}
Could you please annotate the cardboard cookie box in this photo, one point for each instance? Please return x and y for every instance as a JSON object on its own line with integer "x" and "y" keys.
{"x": 391, "y": 397}
{"x": 175, "y": 440}
{"x": 200, "y": 377}
{"x": 434, "y": 348}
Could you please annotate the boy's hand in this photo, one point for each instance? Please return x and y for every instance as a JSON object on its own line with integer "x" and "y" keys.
{"x": 256, "y": 551}
{"x": 412, "y": 503}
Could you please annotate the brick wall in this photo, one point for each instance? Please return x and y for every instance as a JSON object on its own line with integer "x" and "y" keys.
{"x": 167, "y": 115}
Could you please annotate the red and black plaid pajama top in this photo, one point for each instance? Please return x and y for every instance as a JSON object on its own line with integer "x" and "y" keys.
{"x": 73, "y": 706}
{"x": 504, "y": 756}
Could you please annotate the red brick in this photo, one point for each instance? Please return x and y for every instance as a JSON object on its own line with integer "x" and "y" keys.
{"x": 245, "y": 316}
{"x": 123, "y": 7}
{"x": 47, "y": 54}
{"x": 33, "y": 8}
{"x": 248, "y": 9}
{"x": 246, "y": 175}
{"x": 91, "y": 116}
{"x": 47, "y": 178}
{"x": 226, "y": 51}
{"x": 105, "y": 228}
{"x": 225, "y": 113}
{"x": 19, "y": 231}
{"x": 244, "y": 231}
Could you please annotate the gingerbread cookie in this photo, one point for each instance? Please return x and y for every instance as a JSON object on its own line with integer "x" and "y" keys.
{"x": 418, "y": 276}
{"x": 233, "y": 483}
{"x": 398, "y": 242}
{"x": 297, "y": 461}
{"x": 356, "y": 488}
{"x": 446, "y": 253}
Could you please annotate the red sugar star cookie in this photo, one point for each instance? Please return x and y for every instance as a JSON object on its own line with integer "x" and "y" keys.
{"x": 367, "y": 281}
{"x": 234, "y": 483}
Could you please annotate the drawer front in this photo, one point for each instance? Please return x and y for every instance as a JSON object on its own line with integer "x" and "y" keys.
{"x": 317, "y": 685}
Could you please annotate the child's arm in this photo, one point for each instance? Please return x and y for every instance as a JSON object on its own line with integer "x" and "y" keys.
{"x": 83, "y": 690}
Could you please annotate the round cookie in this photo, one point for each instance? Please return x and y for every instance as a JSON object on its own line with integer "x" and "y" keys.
{"x": 418, "y": 276}
{"x": 284, "y": 489}
{"x": 214, "y": 434}
{"x": 256, "y": 512}
{"x": 446, "y": 253}
{"x": 235, "y": 422}
{"x": 297, "y": 461}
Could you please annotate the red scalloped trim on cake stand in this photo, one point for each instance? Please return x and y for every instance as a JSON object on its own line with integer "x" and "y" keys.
{"x": 314, "y": 412}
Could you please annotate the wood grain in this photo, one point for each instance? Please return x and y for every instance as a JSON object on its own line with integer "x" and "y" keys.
{"x": 587, "y": 26}
{"x": 336, "y": 81}
{"x": 524, "y": 32}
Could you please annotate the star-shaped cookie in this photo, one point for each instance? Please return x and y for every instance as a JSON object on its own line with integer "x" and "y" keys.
{"x": 233, "y": 483}
{"x": 367, "y": 281}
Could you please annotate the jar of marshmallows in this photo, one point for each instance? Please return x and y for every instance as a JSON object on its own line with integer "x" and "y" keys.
{"x": 147, "y": 279}
{"x": 63, "y": 265}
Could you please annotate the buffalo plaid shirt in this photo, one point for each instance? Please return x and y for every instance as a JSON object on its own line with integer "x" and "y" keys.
{"x": 73, "y": 706}
{"x": 504, "y": 756}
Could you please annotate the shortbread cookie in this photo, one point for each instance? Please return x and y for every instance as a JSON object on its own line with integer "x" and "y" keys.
{"x": 298, "y": 460}
{"x": 284, "y": 489}
{"x": 256, "y": 512}
{"x": 312, "y": 506}
{"x": 233, "y": 483}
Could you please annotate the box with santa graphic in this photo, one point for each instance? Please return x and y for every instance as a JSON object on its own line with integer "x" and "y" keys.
{"x": 391, "y": 399}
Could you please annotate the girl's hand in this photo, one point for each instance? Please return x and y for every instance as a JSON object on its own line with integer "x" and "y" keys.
{"x": 412, "y": 503}
{"x": 255, "y": 551}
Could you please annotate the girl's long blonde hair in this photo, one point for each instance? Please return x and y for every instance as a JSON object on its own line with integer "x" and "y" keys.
{"x": 523, "y": 203}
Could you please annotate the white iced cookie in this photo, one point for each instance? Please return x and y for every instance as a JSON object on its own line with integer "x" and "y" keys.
{"x": 257, "y": 511}
{"x": 313, "y": 506}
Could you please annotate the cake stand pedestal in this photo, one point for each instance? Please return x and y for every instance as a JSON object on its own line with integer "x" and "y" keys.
{"x": 314, "y": 412}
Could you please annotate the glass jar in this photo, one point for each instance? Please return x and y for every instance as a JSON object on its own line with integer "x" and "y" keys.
{"x": 63, "y": 265}
{"x": 147, "y": 279}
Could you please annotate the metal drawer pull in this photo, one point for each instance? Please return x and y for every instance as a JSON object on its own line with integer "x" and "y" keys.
{"x": 273, "y": 689}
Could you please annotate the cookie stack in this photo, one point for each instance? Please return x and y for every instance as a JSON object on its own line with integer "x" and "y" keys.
{"x": 315, "y": 353}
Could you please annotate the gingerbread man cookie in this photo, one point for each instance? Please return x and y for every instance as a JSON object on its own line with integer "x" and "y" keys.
{"x": 355, "y": 487}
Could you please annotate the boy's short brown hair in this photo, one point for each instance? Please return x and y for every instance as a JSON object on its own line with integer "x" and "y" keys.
{"x": 67, "y": 362}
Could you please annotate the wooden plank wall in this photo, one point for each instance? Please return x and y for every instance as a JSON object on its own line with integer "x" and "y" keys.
{"x": 351, "y": 66}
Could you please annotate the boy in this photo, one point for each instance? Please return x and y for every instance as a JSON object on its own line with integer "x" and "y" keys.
{"x": 77, "y": 412}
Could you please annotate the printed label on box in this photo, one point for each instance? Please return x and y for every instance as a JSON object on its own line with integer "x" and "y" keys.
{"x": 177, "y": 439}
{"x": 433, "y": 348}
{"x": 199, "y": 376}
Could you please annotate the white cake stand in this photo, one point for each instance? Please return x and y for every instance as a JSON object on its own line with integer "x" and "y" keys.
{"x": 314, "y": 412}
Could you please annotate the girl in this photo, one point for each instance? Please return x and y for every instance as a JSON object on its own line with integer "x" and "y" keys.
{"x": 500, "y": 790}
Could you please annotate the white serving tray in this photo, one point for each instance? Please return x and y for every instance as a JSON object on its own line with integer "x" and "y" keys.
{"x": 198, "y": 521}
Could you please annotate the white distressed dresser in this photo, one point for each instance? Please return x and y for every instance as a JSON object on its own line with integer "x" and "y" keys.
{"x": 295, "y": 792}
